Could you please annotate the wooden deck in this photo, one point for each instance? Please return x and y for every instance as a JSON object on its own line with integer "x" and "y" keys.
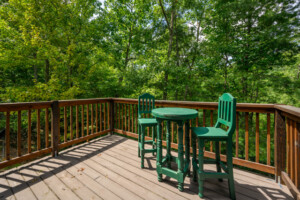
{"x": 109, "y": 168}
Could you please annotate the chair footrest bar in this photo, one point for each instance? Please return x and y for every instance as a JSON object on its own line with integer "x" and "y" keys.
{"x": 205, "y": 175}
{"x": 148, "y": 141}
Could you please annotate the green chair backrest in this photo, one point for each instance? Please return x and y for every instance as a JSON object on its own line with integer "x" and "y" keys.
{"x": 227, "y": 113}
{"x": 146, "y": 104}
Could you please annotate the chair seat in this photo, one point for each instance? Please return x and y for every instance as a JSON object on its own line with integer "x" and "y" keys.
{"x": 147, "y": 121}
{"x": 210, "y": 133}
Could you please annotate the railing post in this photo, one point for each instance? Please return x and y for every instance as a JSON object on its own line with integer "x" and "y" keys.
{"x": 112, "y": 117}
{"x": 280, "y": 144}
{"x": 55, "y": 119}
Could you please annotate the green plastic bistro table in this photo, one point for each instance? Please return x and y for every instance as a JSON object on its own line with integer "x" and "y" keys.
{"x": 163, "y": 165}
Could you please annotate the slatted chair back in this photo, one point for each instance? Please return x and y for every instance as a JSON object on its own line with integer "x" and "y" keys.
{"x": 227, "y": 113}
{"x": 146, "y": 104}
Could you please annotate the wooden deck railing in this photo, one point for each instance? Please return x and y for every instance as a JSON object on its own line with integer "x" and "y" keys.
{"x": 267, "y": 136}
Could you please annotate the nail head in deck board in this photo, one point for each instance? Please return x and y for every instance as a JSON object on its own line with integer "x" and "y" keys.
{"x": 7, "y": 137}
{"x": 280, "y": 143}
{"x": 29, "y": 132}
{"x": 19, "y": 133}
{"x": 55, "y": 128}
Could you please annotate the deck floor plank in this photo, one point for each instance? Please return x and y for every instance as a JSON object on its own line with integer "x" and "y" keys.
{"x": 38, "y": 187}
{"x": 109, "y": 168}
{"x": 246, "y": 179}
{"x": 102, "y": 179}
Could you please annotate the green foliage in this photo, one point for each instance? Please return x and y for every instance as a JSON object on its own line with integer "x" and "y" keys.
{"x": 177, "y": 50}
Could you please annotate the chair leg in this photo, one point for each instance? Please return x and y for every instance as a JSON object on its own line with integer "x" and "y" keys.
{"x": 139, "y": 140}
{"x": 217, "y": 145}
{"x": 194, "y": 147}
{"x": 230, "y": 171}
{"x": 200, "y": 171}
{"x": 143, "y": 145}
{"x": 153, "y": 138}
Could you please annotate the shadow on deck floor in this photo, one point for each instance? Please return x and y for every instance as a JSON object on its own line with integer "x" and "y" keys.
{"x": 109, "y": 168}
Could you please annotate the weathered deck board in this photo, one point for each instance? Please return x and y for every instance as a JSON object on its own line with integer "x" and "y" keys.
{"x": 109, "y": 168}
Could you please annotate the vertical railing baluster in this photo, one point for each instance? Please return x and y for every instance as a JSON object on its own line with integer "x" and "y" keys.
{"x": 7, "y": 137}
{"x": 104, "y": 116}
{"x": 47, "y": 128}
{"x": 65, "y": 124}
{"x": 257, "y": 139}
{"x": 38, "y": 131}
{"x": 132, "y": 118}
{"x": 101, "y": 119}
{"x": 55, "y": 127}
{"x": 92, "y": 118}
{"x": 268, "y": 139}
{"x": 19, "y": 134}
{"x": 77, "y": 121}
{"x": 211, "y": 124}
{"x": 29, "y": 132}
{"x": 125, "y": 105}
{"x": 97, "y": 118}
{"x": 82, "y": 120}
{"x": 237, "y": 136}
{"x": 71, "y": 122}
{"x": 292, "y": 143}
{"x": 87, "y": 119}
{"x": 246, "y": 136}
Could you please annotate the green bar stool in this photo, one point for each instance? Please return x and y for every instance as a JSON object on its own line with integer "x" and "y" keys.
{"x": 145, "y": 105}
{"x": 227, "y": 121}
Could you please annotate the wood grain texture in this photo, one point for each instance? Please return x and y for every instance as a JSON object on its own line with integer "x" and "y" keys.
{"x": 71, "y": 122}
{"x": 280, "y": 144}
{"x": 77, "y": 121}
{"x": 268, "y": 139}
{"x": 82, "y": 120}
{"x": 7, "y": 136}
{"x": 55, "y": 128}
{"x": 246, "y": 136}
{"x": 47, "y": 127}
{"x": 19, "y": 141}
{"x": 65, "y": 124}
{"x": 38, "y": 129}
{"x": 257, "y": 138}
{"x": 29, "y": 132}
{"x": 237, "y": 135}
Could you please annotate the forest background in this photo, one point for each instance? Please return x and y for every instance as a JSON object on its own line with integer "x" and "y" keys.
{"x": 177, "y": 50}
{"x": 191, "y": 50}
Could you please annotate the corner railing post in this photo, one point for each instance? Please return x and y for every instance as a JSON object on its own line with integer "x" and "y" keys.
{"x": 112, "y": 117}
{"x": 55, "y": 118}
{"x": 280, "y": 144}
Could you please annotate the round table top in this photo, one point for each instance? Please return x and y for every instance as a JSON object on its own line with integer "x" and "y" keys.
{"x": 175, "y": 113}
